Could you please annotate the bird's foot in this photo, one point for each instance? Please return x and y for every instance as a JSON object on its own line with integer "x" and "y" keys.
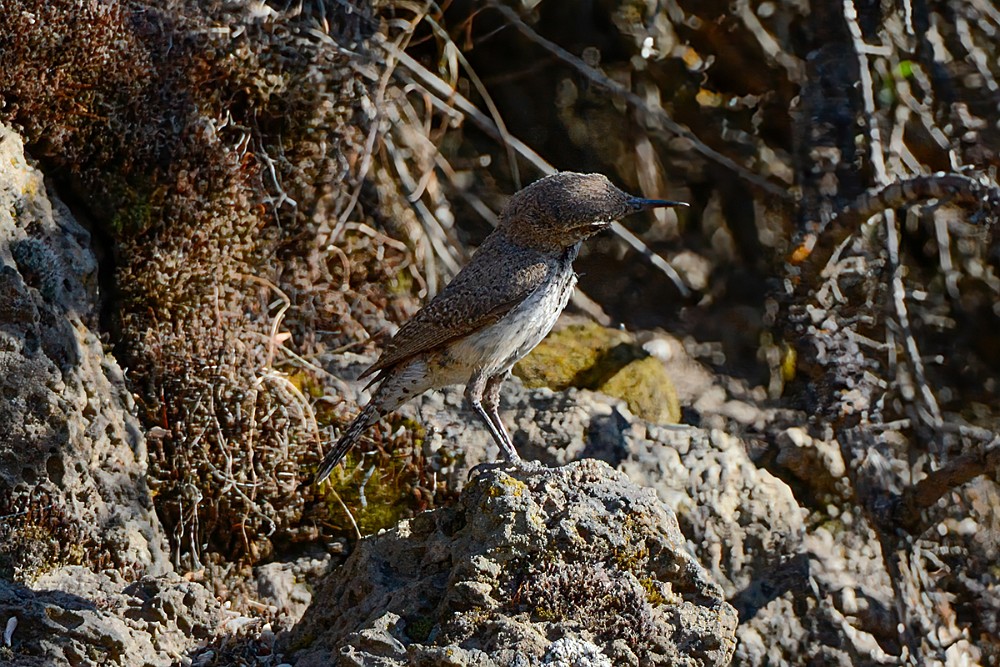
{"x": 513, "y": 465}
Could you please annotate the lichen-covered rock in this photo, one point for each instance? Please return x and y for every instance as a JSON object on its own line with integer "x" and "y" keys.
{"x": 646, "y": 389}
{"x": 574, "y": 356}
{"x": 85, "y": 619}
{"x": 743, "y": 523}
{"x": 72, "y": 456}
{"x": 528, "y": 556}
{"x": 589, "y": 356}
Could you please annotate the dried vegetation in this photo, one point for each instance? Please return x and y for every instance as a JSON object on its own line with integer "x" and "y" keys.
{"x": 840, "y": 161}
{"x": 235, "y": 160}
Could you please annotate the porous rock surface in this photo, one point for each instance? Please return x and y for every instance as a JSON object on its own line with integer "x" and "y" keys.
{"x": 73, "y": 461}
{"x": 74, "y": 616}
{"x": 533, "y": 565}
{"x": 66, "y": 431}
{"x": 793, "y": 582}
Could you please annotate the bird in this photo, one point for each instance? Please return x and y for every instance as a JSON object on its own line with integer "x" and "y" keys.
{"x": 497, "y": 308}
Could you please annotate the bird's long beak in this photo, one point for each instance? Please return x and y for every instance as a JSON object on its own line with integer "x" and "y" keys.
{"x": 639, "y": 204}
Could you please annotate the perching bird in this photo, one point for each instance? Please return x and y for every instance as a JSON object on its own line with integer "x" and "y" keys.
{"x": 499, "y": 307}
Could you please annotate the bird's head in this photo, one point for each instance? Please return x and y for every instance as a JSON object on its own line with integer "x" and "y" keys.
{"x": 563, "y": 209}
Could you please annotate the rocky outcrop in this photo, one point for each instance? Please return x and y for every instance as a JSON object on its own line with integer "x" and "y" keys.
{"x": 73, "y": 460}
{"x": 74, "y": 616}
{"x": 532, "y": 565}
{"x": 72, "y": 456}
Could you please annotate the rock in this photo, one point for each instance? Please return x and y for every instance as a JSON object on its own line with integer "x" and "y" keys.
{"x": 526, "y": 557}
{"x": 646, "y": 389}
{"x": 578, "y": 355}
{"x": 573, "y": 652}
{"x": 284, "y": 585}
{"x": 72, "y": 456}
{"x": 85, "y": 619}
{"x": 741, "y": 521}
{"x": 73, "y": 489}
{"x": 553, "y": 427}
{"x": 589, "y": 356}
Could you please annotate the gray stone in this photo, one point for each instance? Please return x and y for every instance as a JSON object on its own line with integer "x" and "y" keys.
{"x": 73, "y": 462}
{"x": 527, "y": 556}
{"x": 72, "y": 455}
{"x": 77, "y": 617}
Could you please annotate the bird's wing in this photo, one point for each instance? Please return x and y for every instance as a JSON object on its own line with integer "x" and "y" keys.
{"x": 476, "y": 298}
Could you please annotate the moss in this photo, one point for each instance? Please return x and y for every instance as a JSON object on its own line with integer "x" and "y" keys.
{"x": 419, "y": 629}
{"x": 569, "y": 357}
{"x": 138, "y": 209}
{"x": 631, "y": 558}
{"x": 789, "y": 362}
{"x": 217, "y": 164}
{"x": 386, "y": 497}
{"x": 543, "y": 614}
{"x": 394, "y": 489}
{"x": 834, "y": 526}
{"x": 402, "y": 282}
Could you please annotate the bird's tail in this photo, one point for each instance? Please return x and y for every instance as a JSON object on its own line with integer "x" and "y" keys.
{"x": 368, "y": 416}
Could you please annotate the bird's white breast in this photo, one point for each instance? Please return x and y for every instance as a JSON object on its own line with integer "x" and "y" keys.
{"x": 496, "y": 348}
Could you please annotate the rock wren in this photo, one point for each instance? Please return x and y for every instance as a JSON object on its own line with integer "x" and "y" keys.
{"x": 499, "y": 307}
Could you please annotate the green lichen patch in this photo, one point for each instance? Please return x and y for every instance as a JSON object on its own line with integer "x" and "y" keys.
{"x": 589, "y": 356}
{"x": 647, "y": 390}
{"x": 580, "y": 355}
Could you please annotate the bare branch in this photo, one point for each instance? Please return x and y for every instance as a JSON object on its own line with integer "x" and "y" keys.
{"x": 955, "y": 189}
{"x": 907, "y": 510}
{"x": 638, "y": 102}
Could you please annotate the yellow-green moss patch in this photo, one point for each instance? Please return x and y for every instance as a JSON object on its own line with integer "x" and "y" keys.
{"x": 568, "y": 357}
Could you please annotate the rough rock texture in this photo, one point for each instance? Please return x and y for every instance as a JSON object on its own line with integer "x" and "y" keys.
{"x": 794, "y": 583}
{"x": 77, "y": 617}
{"x": 532, "y": 564}
{"x": 73, "y": 461}
{"x": 284, "y": 586}
{"x": 72, "y": 457}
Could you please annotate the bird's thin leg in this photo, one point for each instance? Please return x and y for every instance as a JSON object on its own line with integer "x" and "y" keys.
{"x": 474, "y": 395}
{"x": 491, "y": 403}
